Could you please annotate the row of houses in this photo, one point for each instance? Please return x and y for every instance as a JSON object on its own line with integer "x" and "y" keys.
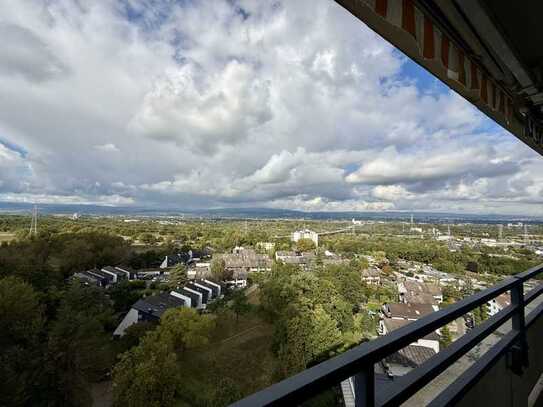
{"x": 195, "y": 294}
{"x": 105, "y": 276}
{"x": 184, "y": 258}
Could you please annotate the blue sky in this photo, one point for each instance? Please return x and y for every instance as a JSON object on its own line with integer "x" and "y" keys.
{"x": 178, "y": 104}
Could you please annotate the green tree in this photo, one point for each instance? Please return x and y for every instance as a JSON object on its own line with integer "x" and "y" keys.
{"x": 445, "y": 338}
{"x": 134, "y": 333}
{"x": 185, "y": 328}
{"x": 79, "y": 348}
{"x": 21, "y": 323}
{"x": 239, "y": 303}
{"x": 311, "y": 336}
{"x": 480, "y": 314}
{"x": 148, "y": 374}
{"x": 178, "y": 276}
{"x": 305, "y": 245}
{"x": 124, "y": 294}
{"x": 218, "y": 269}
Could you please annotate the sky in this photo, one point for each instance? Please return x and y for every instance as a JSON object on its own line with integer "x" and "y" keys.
{"x": 239, "y": 103}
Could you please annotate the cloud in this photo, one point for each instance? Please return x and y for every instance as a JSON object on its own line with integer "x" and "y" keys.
{"x": 392, "y": 167}
{"x": 24, "y": 54}
{"x": 107, "y": 148}
{"x": 241, "y": 104}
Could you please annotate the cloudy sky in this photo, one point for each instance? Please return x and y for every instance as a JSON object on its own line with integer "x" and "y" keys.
{"x": 286, "y": 104}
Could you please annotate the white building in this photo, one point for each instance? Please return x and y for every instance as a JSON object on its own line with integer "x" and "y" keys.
{"x": 305, "y": 234}
{"x": 499, "y": 303}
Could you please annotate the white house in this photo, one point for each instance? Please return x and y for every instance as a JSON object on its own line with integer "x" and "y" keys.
{"x": 498, "y": 303}
{"x": 430, "y": 341}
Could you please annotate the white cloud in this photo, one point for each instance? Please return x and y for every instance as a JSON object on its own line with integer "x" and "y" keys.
{"x": 179, "y": 104}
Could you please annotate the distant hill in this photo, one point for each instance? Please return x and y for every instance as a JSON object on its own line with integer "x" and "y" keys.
{"x": 263, "y": 213}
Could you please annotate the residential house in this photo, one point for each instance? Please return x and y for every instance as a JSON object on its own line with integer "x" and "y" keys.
{"x": 95, "y": 277}
{"x": 117, "y": 274}
{"x": 371, "y": 276}
{"x": 196, "y": 294}
{"x": 403, "y": 361}
{"x": 238, "y": 280}
{"x": 416, "y": 292}
{"x": 148, "y": 309}
{"x": 408, "y": 311}
{"x": 244, "y": 261}
{"x": 173, "y": 260}
{"x": 498, "y": 303}
{"x": 199, "y": 270}
{"x": 388, "y": 325}
{"x": 302, "y": 259}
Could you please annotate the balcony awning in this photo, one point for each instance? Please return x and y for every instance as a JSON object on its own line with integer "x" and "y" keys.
{"x": 487, "y": 51}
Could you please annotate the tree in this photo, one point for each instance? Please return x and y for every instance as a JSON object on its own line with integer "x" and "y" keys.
{"x": 124, "y": 294}
{"x": 178, "y": 276}
{"x": 305, "y": 245}
{"x": 218, "y": 269}
{"x": 480, "y": 314}
{"x": 148, "y": 374}
{"x": 134, "y": 333}
{"x": 185, "y": 328}
{"x": 239, "y": 303}
{"x": 21, "y": 323}
{"x": 79, "y": 349}
{"x": 310, "y": 337}
{"x": 147, "y": 238}
{"x": 446, "y": 337}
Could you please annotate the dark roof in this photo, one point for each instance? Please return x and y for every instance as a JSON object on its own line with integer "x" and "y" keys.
{"x": 410, "y": 311}
{"x": 214, "y": 289}
{"x": 114, "y": 271}
{"x": 411, "y": 356}
{"x": 178, "y": 258}
{"x": 205, "y": 293}
{"x": 90, "y": 276}
{"x": 100, "y": 274}
{"x": 194, "y": 297}
{"x": 156, "y": 305}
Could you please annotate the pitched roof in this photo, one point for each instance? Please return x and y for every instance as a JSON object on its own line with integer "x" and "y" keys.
{"x": 177, "y": 258}
{"x": 415, "y": 287}
{"x": 246, "y": 258}
{"x": 100, "y": 274}
{"x": 411, "y": 356}
{"x": 503, "y": 300}
{"x": 410, "y": 311}
{"x": 393, "y": 324}
{"x": 156, "y": 305}
{"x": 115, "y": 271}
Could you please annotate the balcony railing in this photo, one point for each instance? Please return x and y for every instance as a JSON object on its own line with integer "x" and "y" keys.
{"x": 359, "y": 362}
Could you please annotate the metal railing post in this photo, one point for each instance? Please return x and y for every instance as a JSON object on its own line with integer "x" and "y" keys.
{"x": 519, "y": 352}
{"x": 364, "y": 387}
